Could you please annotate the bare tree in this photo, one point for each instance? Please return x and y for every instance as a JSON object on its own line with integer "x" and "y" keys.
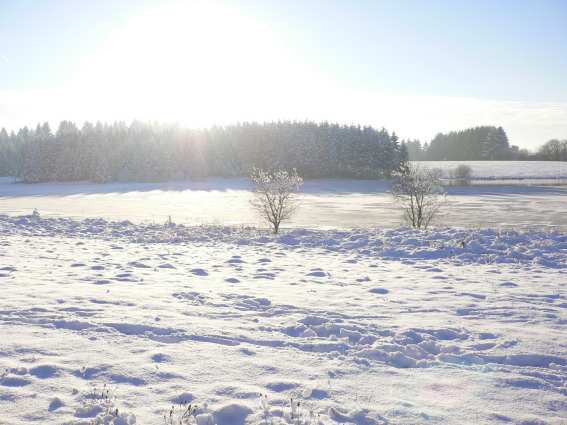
{"x": 419, "y": 192}
{"x": 275, "y": 195}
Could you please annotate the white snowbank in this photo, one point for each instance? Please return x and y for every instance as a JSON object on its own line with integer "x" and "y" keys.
{"x": 466, "y": 246}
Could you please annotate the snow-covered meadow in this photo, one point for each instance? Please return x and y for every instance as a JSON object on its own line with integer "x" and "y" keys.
{"x": 325, "y": 204}
{"x": 507, "y": 170}
{"x": 361, "y": 326}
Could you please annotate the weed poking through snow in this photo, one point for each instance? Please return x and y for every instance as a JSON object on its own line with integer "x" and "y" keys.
{"x": 296, "y": 414}
{"x": 188, "y": 414}
{"x": 100, "y": 405}
{"x": 181, "y": 414}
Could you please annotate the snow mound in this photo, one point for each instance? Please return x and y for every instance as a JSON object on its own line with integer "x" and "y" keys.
{"x": 546, "y": 249}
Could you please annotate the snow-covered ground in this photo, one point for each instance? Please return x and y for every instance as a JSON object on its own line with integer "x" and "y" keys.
{"x": 324, "y": 203}
{"x": 362, "y": 326}
{"x": 506, "y": 170}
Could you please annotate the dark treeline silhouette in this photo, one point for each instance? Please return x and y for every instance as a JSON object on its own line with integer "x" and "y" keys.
{"x": 474, "y": 144}
{"x": 153, "y": 152}
{"x": 481, "y": 144}
{"x": 554, "y": 150}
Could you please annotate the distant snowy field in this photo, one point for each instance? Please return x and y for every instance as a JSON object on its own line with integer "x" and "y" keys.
{"x": 507, "y": 170}
{"x": 361, "y": 326}
{"x": 324, "y": 203}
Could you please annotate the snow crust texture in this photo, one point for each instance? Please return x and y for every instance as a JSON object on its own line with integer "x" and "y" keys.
{"x": 112, "y": 323}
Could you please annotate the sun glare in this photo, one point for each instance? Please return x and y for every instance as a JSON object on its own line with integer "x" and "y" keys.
{"x": 192, "y": 62}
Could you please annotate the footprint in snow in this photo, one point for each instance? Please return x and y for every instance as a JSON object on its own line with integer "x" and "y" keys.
{"x": 281, "y": 386}
{"x": 8, "y": 269}
{"x": 44, "y": 372}
{"x": 199, "y": 272}
{"x": 14, "y": 381}
{"x": 380, "y": 291}
{"x": 315, "y": 393}
{"x": 55, "y": 404}
{"x": 472, "y": 295}
{"x": 234, "y": 260}
{"x": 160, "y": 358}
{"x": 125, "y": 277}
{"x": 317, "y": 273}
{"x": 138, "y": 265}
{"x": 231, "y": 280}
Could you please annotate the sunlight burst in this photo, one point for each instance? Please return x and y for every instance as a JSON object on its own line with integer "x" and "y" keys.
{"x": 191, "y": 61}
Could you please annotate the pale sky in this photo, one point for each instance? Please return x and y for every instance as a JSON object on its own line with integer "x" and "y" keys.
{"x": 414, "y": 67}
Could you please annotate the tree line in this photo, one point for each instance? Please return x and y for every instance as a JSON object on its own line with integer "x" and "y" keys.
{"x": 154, "y": 152}
{"x": 554, "y": 150}
{"x": 483, "y": 143}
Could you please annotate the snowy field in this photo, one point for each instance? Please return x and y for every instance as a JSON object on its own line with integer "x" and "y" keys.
{"x": 324, "y": 203}
{"x": 507, "y": 170}
{"x": 360, "y": 327}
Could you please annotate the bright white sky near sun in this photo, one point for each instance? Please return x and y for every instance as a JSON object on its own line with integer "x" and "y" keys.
{"x": 414, "y": 67}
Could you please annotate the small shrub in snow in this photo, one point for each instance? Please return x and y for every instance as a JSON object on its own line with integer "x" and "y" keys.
{"x": 275, "y": 195}
{"x": 182, "y": 414}
{"x": 300, "y": 415}
{"x": 99, "y": 405}
{"x": 186, "y": 413}
{"x": 297, "y": 413}
{"x": 462, "y": 174}
{"x": 419, "y": 193}
{"x": 437, "y": 173}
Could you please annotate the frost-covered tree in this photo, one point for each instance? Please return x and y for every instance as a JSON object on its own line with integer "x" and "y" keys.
{"x": 275, "y": 195}
{"x": 419, "y": 193}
